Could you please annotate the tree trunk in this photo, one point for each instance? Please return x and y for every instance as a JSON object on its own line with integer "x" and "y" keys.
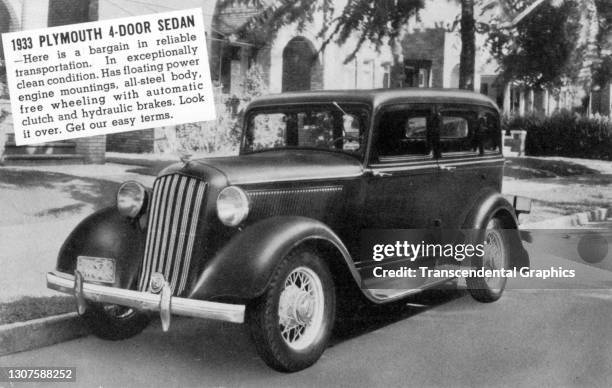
{"x": 397, "y": 74}
{"x": 468, "y": 45}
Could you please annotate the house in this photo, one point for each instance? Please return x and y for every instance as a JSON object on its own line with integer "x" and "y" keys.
{"x": 290, "y": 62}
{"x": 16, "y": 15}
{"x": 601, "y": 99}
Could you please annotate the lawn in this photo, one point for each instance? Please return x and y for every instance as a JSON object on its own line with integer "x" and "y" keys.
{"x": 559, "y": 186}
{"x": 27, "y": 308}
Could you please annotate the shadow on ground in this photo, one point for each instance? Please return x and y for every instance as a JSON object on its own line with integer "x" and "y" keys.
{"x": 370, "y": 318}
{"x": 27, "y": 193}
{"x": 530, "y": 168}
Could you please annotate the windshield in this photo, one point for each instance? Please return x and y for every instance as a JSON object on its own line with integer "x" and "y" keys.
{"x": 334, "y": 127}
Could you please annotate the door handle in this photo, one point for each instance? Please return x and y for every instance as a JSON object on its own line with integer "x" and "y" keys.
{"x": 380, "y": 174}
{"x": 447, "y": 168}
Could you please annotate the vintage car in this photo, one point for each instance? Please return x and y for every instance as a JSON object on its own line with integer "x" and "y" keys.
{"x": 271, "y": 237}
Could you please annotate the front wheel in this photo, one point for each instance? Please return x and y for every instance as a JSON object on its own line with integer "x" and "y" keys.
{"x": 291, "y": 322}
{"x": 496, "y": 256}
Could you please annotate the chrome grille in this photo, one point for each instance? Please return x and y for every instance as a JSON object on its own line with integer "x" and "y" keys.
{"x": 173, "y": 218}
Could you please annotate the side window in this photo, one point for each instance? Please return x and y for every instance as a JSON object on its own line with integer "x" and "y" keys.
{"x": 457, "y": 132}
{"x": 491, "y": 133}
{"x": 402, "y": 133}
{"x": 469, "y": 132}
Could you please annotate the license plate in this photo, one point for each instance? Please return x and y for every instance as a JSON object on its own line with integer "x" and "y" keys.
{"x": 96, "y": 269}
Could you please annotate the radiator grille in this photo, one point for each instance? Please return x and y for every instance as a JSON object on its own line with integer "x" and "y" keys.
{"x": 317, "y": 202}
{"x": 173, "y": 218}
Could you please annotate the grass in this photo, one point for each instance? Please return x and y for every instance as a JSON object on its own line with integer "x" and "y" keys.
{"x": 28, "y": 308}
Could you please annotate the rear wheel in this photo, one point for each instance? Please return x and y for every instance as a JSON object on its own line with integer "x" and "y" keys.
{"x": 290, "y": 323}
{"x": 113, "y": 322}
{"x": 496, "y": 256}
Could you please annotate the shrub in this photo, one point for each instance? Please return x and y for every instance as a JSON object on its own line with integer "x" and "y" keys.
{"x": 222, "y": 136}
{"x": 565, "y": 134}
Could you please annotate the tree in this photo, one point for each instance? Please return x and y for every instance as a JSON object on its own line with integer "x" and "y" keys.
{"x": 544, "y": 50}
{"x": 378, "y": 22}
{"x": 602, "y": 69}
{"x": 467, "y": 59}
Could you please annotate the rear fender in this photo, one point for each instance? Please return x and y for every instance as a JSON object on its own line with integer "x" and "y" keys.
{"x": 494, "y": 205}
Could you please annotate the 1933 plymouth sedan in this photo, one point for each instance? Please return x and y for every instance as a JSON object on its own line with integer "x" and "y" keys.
{"x": 271, "y": 237}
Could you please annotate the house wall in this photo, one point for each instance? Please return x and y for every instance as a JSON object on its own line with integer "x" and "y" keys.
{"x": 601, "y": 101}
{"x": 428, "y": 45}
{"x": 17, "y": 15}
{"x": 366, "y": 71}
{"x": 63, "y": 12}
{"x": 141, "y": 141}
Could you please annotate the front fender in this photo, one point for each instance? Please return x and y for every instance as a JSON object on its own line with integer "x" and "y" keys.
{"x": 106, "y": 234}
{"x": 243, "y": 268}
{"x": 492, "y": 204}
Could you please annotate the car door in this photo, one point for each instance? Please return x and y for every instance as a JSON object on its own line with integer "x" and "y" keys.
{"x": 400, "y": 188}
{"x": 470, "y": 163}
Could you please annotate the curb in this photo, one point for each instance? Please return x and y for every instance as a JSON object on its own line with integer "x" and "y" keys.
{"x": 142, "y": 162}
{"x": 572, "y": 220}
{"x": 21, "y": 336}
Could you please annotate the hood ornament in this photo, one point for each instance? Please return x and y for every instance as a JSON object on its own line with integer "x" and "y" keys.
{"x": 185, "y": 157}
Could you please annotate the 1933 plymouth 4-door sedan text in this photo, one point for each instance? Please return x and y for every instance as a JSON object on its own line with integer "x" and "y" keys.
{"x": 271, "y": 237}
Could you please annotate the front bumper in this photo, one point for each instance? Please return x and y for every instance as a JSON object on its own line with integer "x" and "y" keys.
{"x": 163, "y": 303}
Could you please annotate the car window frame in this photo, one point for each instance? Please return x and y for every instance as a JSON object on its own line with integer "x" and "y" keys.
{"x": 479, "y": 111}
{"x": 373, "y": 159}
{"x": 361, "y": 156}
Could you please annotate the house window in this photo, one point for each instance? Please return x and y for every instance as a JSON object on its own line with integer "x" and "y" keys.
{"x": 484, "y": 88}
{"x": 230, "y": 66}
{"x": 418, "y": 73}
{"x": 386, "y": 80}
{"x": 423, "y": 78}
{"x": 366, "y": 77}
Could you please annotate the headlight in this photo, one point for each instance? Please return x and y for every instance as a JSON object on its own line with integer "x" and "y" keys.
{"x": 232, "y": 206}
{"x": 131, "y": 199}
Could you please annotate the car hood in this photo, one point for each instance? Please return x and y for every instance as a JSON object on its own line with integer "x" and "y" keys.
{"x": 276, "y": 166}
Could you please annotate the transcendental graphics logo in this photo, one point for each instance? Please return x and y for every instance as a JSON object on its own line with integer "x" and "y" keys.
{"x": 427, "y": 272}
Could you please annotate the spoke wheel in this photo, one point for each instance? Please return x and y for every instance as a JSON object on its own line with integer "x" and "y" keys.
{"x": 496, "y": 256}
{"x": 291, "y": 322}
{"x": 300, "y": 309}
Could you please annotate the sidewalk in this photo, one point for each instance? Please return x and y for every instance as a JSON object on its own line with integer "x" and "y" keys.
{"x": 40, "y": 206}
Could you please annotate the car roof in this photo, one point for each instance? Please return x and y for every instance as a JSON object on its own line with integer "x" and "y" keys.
{"x": 376, "y": 97}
